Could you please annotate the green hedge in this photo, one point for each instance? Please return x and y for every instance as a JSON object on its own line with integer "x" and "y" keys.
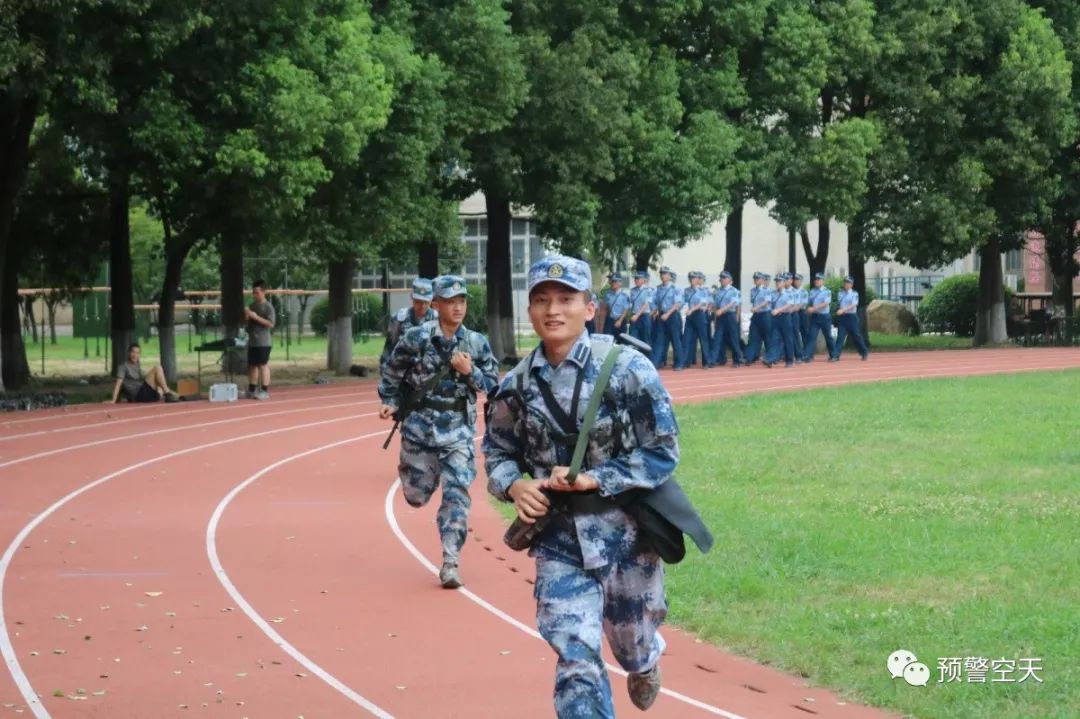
{"x": 951, "y": 306}
{"x": 367, "y": 315}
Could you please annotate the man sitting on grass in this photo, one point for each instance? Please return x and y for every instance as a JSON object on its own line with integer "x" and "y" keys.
{"x": 136, "y": 387}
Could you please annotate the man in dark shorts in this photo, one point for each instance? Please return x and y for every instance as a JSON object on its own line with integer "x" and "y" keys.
{"x": 260, "y": 318}
{"x": 133, "y": 386}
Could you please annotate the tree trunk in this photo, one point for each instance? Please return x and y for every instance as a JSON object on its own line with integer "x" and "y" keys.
{"x": 857, "y": 269}
{"x": 121, "y": 298}
{"x": 175, "y": 254}
{"x": 232, "y": 295}
{"x": 50, "y": 307}
{"x": 339, "y": 342}
{"x": 28, "y": 316}
{"x": 1062, "y": 246}
{"x": 791, "y": 256}
{"x": 303, "y": 302}
{"x": 17, "y": 118}
{"x": 990, "y": 315}
{"x": 643, "y": 257}
{"x": 15, "y": 370}
{"x": 733, "y": 242}
{"x": 816, "y": 261}
{"x": 500, "y": 296}
{"x": 428, "y": 259}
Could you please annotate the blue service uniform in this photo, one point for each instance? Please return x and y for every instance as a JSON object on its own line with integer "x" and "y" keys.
{"x": 800, "y": 322}
{"x": 593, "y": 576}
{"x": 726, "y": 334}
{"x": 667, "y": 298}
{"x": 617, "y": 304}
{"x": 819, "y": 321}
{"x": 783, "y": 341}
{"x": 437, "y": 446}
{"x": 761, "y": 300}
{"x": 696, "y": 329}
{"x": 641, "y": 302}
{"x": 848, "y": 324}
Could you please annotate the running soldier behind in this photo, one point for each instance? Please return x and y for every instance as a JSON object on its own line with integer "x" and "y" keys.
{"x": 594, "y": 575}
{"x": 407, "y": 317}
{"x": 261, "y": 318}
{"x": 438, "y": 368}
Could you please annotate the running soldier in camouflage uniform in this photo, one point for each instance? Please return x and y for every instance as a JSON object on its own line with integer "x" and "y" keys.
{"x": 444, "y": 365}
{"x": 593, "y": 576}
{"x": 408, "y": 317}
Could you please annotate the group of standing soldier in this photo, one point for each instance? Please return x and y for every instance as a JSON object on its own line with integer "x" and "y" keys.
{"x": 702, "y": 325}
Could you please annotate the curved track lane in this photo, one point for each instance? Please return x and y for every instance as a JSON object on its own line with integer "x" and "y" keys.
{"x": 254, "y": 558}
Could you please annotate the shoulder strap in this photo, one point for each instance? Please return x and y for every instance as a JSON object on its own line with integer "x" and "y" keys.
{"x": 612, "y": 355}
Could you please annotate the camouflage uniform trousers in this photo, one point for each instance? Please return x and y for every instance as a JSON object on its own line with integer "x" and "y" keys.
{"x": 624, "y": 600}
{"x": 422, "y": 469}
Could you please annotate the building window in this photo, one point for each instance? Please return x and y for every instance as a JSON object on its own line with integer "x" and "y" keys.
{"x": 1014, "y": 260}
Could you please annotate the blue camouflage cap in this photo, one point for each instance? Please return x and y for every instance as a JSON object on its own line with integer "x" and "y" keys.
{"x": 758, "y": 275}
{"x": 665, "y": 270}
{"x": 819, "y": 275}
{"x": 422, "y": 289}
{"x": 641, "y": 275}
{"x": 615, "y": 277}
{"x": 779, "y": 277}
{"x": 796, "y": 276}
{"x": 849, "y": 279}
{"x": 448, "y": 286}
{"x": 725, "y": 274}
{"x": 568, "y": 271}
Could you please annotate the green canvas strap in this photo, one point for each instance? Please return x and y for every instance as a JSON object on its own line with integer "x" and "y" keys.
{"x": 591, "y": 411}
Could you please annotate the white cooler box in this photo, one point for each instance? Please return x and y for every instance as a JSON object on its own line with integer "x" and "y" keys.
{"x": 223, "y": 392}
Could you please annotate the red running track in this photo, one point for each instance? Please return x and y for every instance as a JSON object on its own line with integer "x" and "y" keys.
{"x": 256, "y": 560}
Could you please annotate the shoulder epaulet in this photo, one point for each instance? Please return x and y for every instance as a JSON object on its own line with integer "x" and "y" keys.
{"x": 599, "y": 346}
{"x": 402, "y": 314}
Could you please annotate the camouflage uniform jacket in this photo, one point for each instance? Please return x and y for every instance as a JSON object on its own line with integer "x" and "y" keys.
{"x": 416, "y": 359}
{"x": 633, "y": 445}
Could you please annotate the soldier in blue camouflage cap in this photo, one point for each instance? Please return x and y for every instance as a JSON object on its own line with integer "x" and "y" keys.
{"x": 760, "y": 319}
{"x": 800, "y": 322}
{"x": 419, "y": 313}
{"x": 438, "y": 368}
{"x": 593, "y": 575}
{"x": 782, "y": 340}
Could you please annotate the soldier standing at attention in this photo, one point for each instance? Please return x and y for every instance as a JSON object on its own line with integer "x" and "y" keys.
{"x": 727, "y": 302}
{"x": 617, "y": 304}
{"x": 408, "y": 317}
{"x": 594, "y": 574}
{"x": 641, "y": 308}
{"x": 668, "y": 301}
{"x": 800, "y": 320}
{"x": 438, "y": 368}
{"x": 696, "y": 331}
{"x": 847, "y": 320}
{"x": 783, "y": 342}
{"x": 819, "y": 300}
{"x": 760, "y": 319}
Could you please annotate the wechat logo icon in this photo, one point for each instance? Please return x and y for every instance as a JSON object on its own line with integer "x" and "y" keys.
{"x": 903, "y": 663}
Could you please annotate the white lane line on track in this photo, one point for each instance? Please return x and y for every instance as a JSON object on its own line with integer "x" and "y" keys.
{"x": 245, "y": 606}
{"x": 182, "y": 413}
{"x": 74, "y": 411}
{"x": 391, "y": 519}
{"x": 169, "y": 430}
{"x": 7, "y": 651}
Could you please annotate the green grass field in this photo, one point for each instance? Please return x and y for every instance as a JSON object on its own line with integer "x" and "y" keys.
{"x": 938, "y": 516}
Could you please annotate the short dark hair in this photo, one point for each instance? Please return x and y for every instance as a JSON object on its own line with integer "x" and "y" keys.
{"x": 134, "y": 346}
{"x": 259, "y": 284}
